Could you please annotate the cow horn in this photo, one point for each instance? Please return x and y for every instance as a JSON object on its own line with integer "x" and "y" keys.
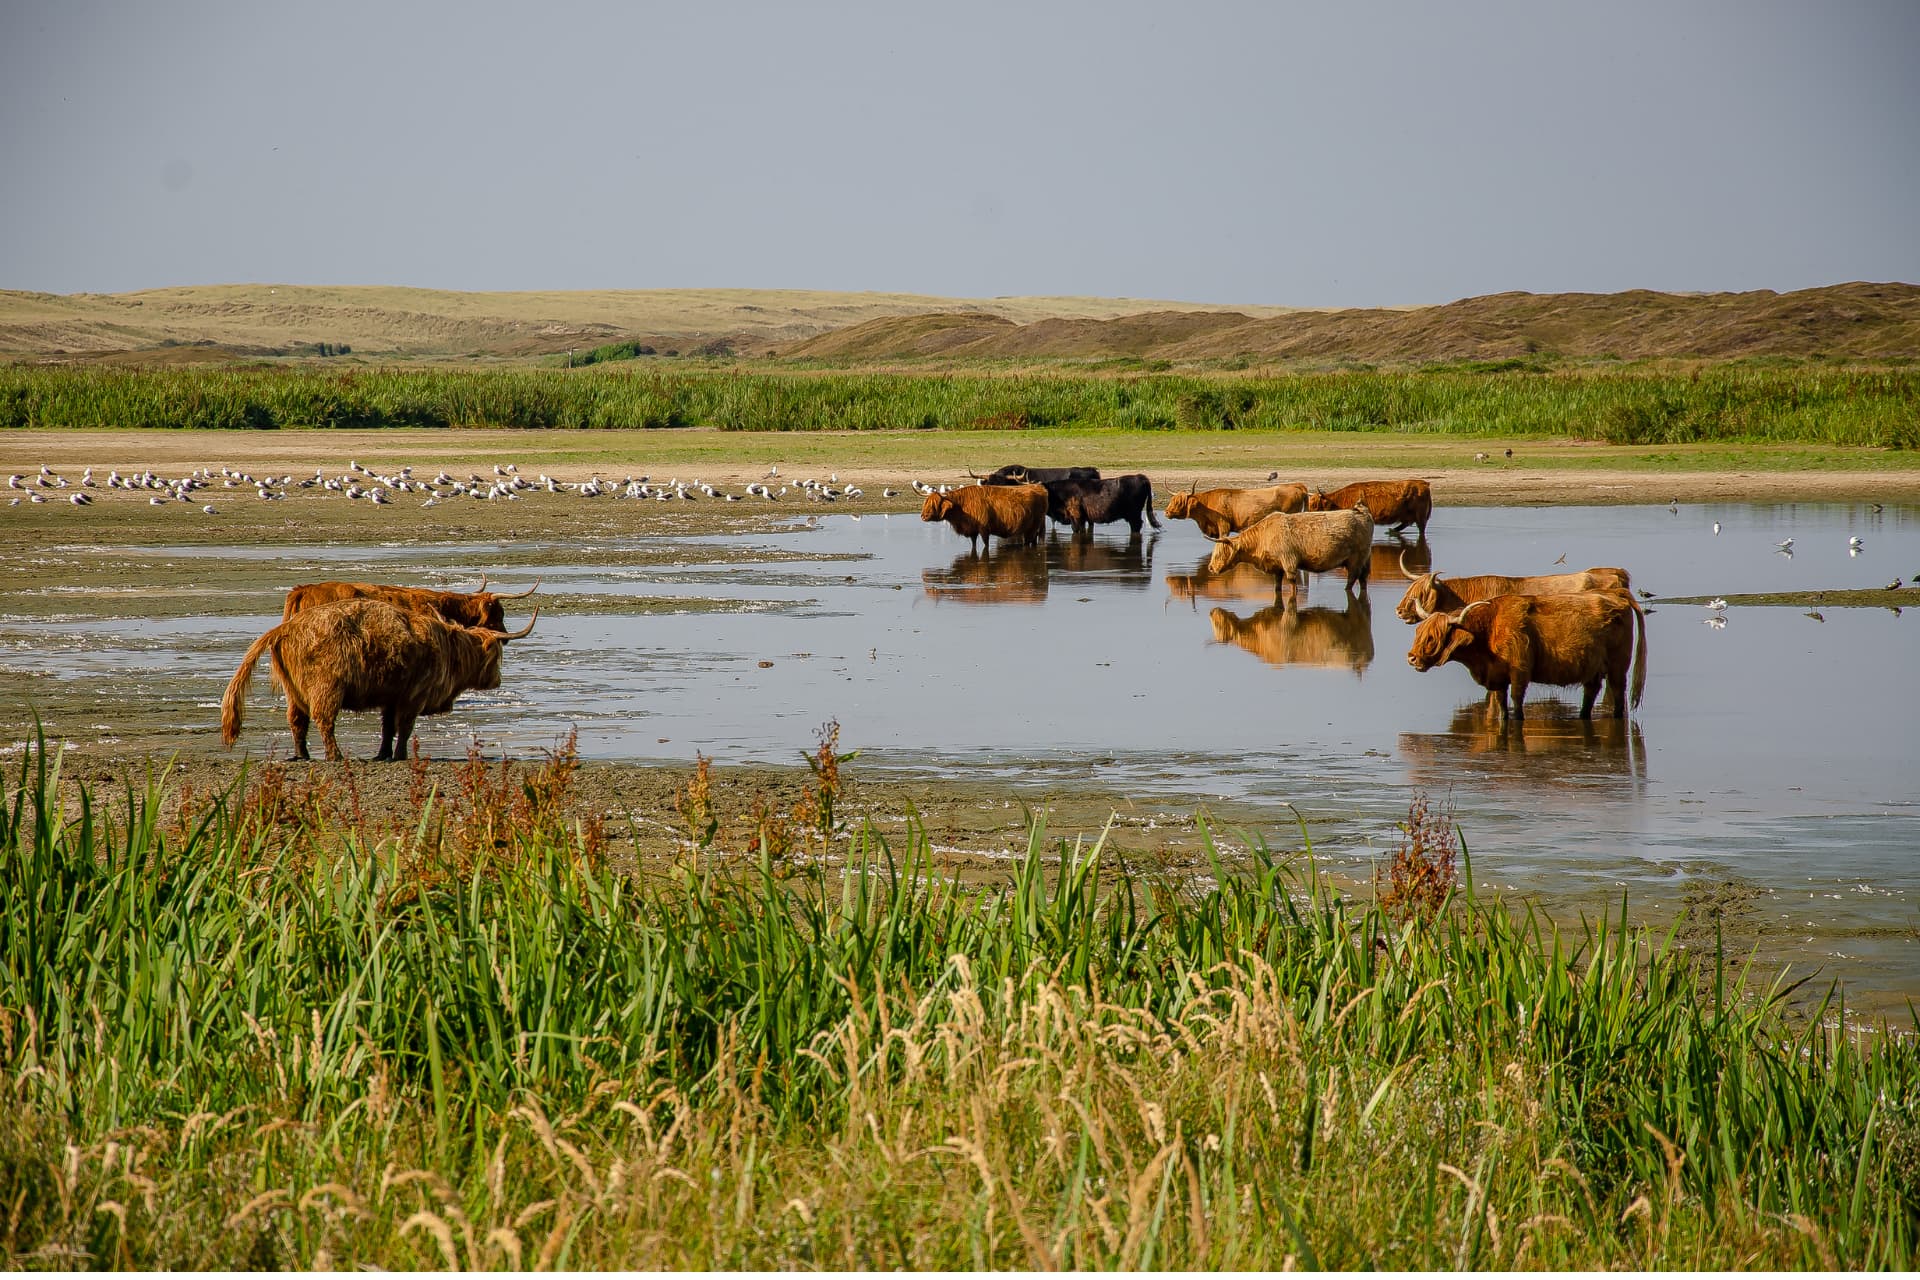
{"x": 971, "y": 476}
{"x": 1194, "y": 487}
{"x": 516, "y": 635}
{"x": 482, "y": 587}
{"x": 1403, "y": 563}
{"x": 1460, "y": 616}
{"x": 522, "y": 595}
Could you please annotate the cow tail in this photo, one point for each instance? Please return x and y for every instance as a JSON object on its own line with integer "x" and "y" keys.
{"x": 1152, "y": 519}
{"x": 235, "y": 700}
{"x": 1639, "y": 658}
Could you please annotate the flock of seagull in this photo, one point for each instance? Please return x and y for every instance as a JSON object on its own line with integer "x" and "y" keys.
{"x": 358, "y": 483}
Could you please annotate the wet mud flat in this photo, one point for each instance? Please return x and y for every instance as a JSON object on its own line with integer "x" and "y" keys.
{"x": 1090, "y": 678}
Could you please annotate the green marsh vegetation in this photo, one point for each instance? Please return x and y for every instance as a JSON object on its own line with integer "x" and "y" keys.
{"x": 1736, "y": 402}
{"x": 266, "y": 1028}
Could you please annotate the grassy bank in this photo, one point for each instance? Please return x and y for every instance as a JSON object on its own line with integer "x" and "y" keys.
{"x": 265, "y": 1034}
{"x": 1748, "y": 403}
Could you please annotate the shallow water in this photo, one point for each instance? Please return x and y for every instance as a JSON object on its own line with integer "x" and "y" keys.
{"x": 1776, "y": 755}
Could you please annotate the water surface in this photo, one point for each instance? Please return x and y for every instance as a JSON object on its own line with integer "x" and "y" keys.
{"x": 1775, "y": 755}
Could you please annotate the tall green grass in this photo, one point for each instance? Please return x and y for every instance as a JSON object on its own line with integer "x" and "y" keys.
{"x": 264, "y": 1034}
{"x": 1745, "y": 403}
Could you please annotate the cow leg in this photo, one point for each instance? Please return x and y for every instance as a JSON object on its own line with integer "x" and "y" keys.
{"x": 1586, "y": 703}
{"x": 1617, "y": 693}
{"x": 297, "y": 722}
{"x": 387, "y": 716}
{"x": 325, "y": 710}
{"x": 1518, "y": 692}
{"x": 327, "y": 739}
{"x": 403, "y": 731}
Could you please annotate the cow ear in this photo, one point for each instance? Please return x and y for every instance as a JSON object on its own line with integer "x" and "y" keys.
{"x": 1456, "y": 637}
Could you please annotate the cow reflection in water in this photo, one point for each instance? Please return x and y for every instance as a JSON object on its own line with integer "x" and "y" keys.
{"x": 1558, "y": 747}
{"x": 1391, "y": 563}
{"x": 1285, "y": 635}
{"x": 1128, "y": 563}
{"x": 1007, "y": 575}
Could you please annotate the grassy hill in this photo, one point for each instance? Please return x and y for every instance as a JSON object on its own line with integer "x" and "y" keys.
{"x": 219, "y": 322}
{"x": 1853, "y": 321}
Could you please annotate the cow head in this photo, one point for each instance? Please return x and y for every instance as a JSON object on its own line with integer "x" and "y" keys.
{"x": 1317, "y": 501}
{"x": 1438, "y": 638}
{"x": 1421, "y": 599}
{"x": 1180, "y": 505}
{"x": 937, "y": 507}
{"x": 493, "y": 643}
{"x": 482, "y": 608}
{"x": 1225, "y": 551}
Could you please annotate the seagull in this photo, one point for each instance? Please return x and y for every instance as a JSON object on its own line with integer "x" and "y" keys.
{"x": 1785, "y": 544}
{"x": 1854, "y": 543}
{"x": 156, "y": 502}
{"x": 1875, "y": 507}
{"x": 1716, "y": 605}
{"x": 1717, "y": 622}
{"x": 208, "y": 508}
{"x": 1562, "y": 559}
{"x": 1816, "y": 615}
{"x": 1716, "y": 528}
{"x": 889, "y": 493}
{"x": 1895, "y": 584}
{"x": 80, "y": 500}
{"x": 1479, "y": 457}
{"x": 1645, "y": 594}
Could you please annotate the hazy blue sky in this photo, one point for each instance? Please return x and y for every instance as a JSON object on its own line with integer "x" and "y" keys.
{"x": 1337, "y": 154}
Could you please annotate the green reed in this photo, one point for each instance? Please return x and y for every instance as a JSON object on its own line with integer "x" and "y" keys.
{"x": 258, "y": 1032}
{"x": 1622, "y": 405}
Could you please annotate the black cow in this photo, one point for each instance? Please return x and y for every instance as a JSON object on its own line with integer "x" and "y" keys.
{"x": 1017, "y": 474}
{"x": 1086, "y": 503}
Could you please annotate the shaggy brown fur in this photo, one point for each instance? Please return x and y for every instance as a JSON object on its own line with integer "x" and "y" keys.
{"x": 1395, "y": 504}
{"x": 355, "y": 655}
{"x": 1220, "y": 512}
{"x": 464, "y": 608}
{"x": 1431, "y": 593}
{"x": 980, "y": 513}
{"x": 1287, "y": 545}
{"x": 1514, "y": 641}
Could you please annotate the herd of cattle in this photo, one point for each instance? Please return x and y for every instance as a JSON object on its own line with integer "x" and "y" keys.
{"x": 1572, "y": 629}
{"x": 409, "y": 651}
